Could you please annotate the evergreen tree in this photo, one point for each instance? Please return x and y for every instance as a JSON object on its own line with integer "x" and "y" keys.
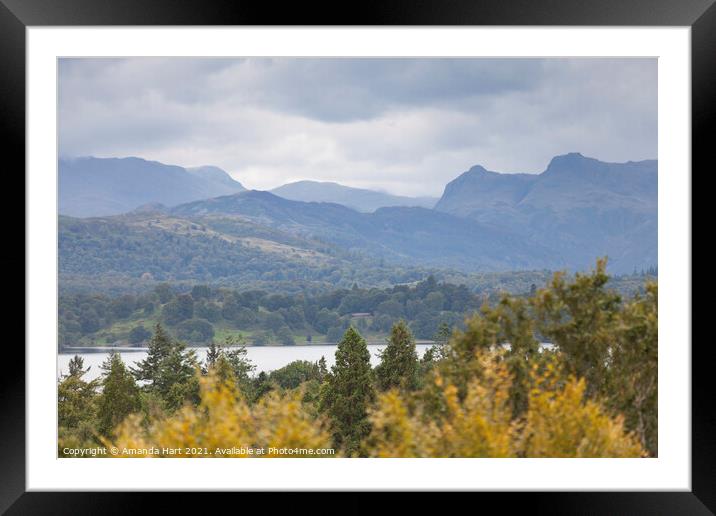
{"x": 240, "y": 364}
{"x": 76, "y": 366}
{"x": 322, "y": 369}
{"x": 232, "y": 355}
{"x": 399, "y": 361}
{"x": 348, "y": 393}
{"x": 177, "y": 380}
{"x": 120, "y": 395}
{"x": 169, "y": 371}
{"x": 159, "y": 348}
{"x": 212, "y": 354}
{"x": 75, "y": 397}
{"x": 441, "y": 338}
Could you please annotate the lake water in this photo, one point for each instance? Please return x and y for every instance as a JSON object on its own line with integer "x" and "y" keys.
{"x": 265, "y": 358}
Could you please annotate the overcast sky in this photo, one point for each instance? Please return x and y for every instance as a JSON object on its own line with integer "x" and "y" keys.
{"x": 407, "y": 126}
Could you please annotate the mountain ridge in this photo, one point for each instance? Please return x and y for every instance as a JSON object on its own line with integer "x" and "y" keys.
{"x": 398, "y": 233}
{"x": 579, "y": 206}
{"x": 90, "y": 186}
{"x": 574, "y": 211}
{"x": 360, "y": 199}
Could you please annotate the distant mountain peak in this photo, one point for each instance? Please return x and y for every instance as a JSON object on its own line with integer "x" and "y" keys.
{"x": 570, "y": 162}
{"x": 217, "y": 175}
{"x": 579, "y": 205}
{"x": 258, "y": 194}
{"x": 359, "y": 199}
{"x": 478, "y": 169}
{"x": 90, "y": 186}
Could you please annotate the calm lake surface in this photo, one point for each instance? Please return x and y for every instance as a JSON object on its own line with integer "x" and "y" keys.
{"x": 265, "y": 358}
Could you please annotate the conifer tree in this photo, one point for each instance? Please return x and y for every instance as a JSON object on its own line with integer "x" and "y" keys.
{"x": 442, "y": 336}
{"x": 76, "y": 366}
{"x": 169, "y": 370}
{"x": 399, "y": 361}
{"x": 212, "y": 355}
{"x": 75, "y": 396}
{"x": 177, "y": 380}
{"x": 438, "y": 350}
{"x": 159, "y": 348}
{"x": 348, "y": 393}
{"x": 120, "y": 395}
{"x": 235, "y": 353}
{"x": 322, "y": 369}
{"x": 232, "y": 355}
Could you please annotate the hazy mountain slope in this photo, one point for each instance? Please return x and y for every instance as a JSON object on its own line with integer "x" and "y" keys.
{"x": 480, "y": 190}
{"x": 574, "y": 180}
{"x": 357, "y": 198}
{"x": 401, "y": 234}
{"x": 429, "y": 237}
{"x": 579, "y": 207}
{"x": 217, "y": 176}
{"x": 107, "y": 186}
{"x": 326, "y": 221}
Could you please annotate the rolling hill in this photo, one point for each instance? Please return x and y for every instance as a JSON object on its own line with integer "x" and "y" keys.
{"x": 135, "y": 251}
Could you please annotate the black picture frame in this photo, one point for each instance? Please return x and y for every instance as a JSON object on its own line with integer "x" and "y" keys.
{"x": 16, "y": 15}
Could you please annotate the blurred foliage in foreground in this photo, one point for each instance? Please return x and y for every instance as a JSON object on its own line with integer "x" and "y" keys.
{"x": 492, "y": 390}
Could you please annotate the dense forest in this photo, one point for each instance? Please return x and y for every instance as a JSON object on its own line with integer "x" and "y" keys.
{"x": 487, "y": 390}
{"x": 202, "y": 313}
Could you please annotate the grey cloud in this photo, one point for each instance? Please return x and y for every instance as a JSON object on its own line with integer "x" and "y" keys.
{"x": 343, "y": 90}
{"x": 403, "y": 125}
{"x": 328, "y": 89}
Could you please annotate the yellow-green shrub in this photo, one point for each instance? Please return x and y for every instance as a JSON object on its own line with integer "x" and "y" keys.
{"x": 223, "y": 421}
{"x": 559, "y": 422}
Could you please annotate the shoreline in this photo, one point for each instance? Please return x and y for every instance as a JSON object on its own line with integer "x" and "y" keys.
{"x": 70, "y": 350}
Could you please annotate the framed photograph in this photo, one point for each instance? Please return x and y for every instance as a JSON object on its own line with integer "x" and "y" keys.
{"x": 430, "y": 248}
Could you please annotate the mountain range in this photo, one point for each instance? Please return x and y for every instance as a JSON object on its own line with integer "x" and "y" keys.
{"x": 576, "y": 210}
{"x": 400, "y": 234}
{"x": 357, "y": 198}
{"x": 579, "y": 207}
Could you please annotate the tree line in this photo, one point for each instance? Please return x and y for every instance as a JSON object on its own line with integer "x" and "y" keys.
{"x": 194, "y": 315}
{"x": 487, "y": 390}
